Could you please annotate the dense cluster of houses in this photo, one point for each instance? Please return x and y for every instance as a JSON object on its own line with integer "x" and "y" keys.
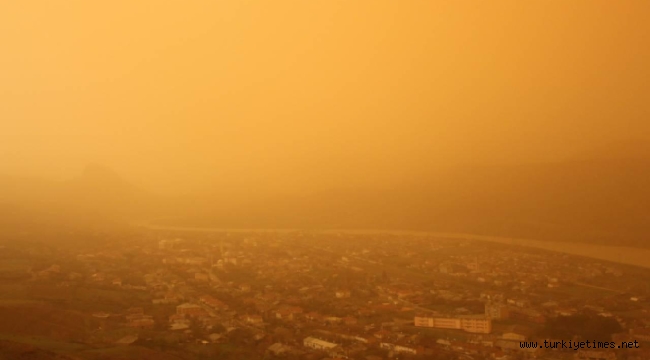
{"x": 344, "y": 295}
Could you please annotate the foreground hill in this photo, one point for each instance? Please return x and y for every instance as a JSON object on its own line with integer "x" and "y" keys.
{"x": 43, "y": 349}
{"x": 11, "y": 350}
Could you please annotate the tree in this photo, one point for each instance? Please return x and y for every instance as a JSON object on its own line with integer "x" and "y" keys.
{"x": 240, "y": 336}
{"x": 283, "y": 334}
{"x": 197, "y": 329}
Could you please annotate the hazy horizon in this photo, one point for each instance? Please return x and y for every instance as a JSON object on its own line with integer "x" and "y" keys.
{"x": 295, "y": 97}
{"x": 324, "y": 180}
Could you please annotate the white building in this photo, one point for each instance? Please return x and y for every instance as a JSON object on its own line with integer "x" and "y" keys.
{"x": 398, "y": 348}
{"x": 496, "y": 311}
{"x": 318, "y": 344}
{"x": 343, "y": 294}
{"x": 472, "y": 324}
{"x": 423, "y": 321}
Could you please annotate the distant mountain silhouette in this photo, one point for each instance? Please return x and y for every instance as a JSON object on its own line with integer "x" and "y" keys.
{"x": 98, "y": 195}
{"x": 594, "y": 199}
{"x": 102, "y": 192}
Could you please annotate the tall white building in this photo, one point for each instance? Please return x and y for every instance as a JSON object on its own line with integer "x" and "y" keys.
{"x": 471, "y": 324}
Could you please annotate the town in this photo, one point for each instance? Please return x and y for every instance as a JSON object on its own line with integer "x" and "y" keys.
{"x": 337, "y": 295}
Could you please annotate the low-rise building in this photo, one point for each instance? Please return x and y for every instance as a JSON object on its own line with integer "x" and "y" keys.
{"x": 142, "y": 323}
{"x": 190, "y": 309}
{"x": 213, "y": 303}
{"x": 318, "y": 344}
{"x": 342, "y": 294}
{"x": 398, "y": 348}
{"x": 595, "y": 355}
{"x": 253, "y": 319}
{"x": 517, "y": 333}
{"x": 496, "y": 311}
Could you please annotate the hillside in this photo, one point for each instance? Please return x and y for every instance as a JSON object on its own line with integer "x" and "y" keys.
{"x": 10, "y": 350}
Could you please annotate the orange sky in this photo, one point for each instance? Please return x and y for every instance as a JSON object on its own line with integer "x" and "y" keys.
{"x": 300, "y": 95}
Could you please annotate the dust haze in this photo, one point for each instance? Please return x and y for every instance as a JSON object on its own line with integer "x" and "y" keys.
{"x": 330, "y": 108}
{"x": 147, "y": 134}
{"x": 296, "y": 97}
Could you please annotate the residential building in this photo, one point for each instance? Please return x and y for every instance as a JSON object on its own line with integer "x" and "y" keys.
{"x": 342, "y": 294}
{"x": 190, "y": 309}
{"x": 595, "y": 355}
{"x": 472, "y": 324}
{"x": 496, "y": 311}
{"x": 318, "y": 344}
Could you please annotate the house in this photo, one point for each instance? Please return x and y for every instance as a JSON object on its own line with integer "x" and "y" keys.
{"x": 171, "y": 295}
{"x": 333, "y": 319}
{"x": 398, "y": 348}
{"x": 594, "y": 355}
{"x": 215, "y": 338}
{"x": 253, "y": 319}
{"x": 517, "y": 333}
{"x": 259, "y": 335}
{"x": 101, "y": 315}
{"x": 507, "y": 345}
{"x": 288, "y": 313}
{"x": 452, "y": 268}
{"x": 163, "y": 301}
{"x": 142, "y": 323}
{"x": 190, "y": 309}
{"x": 518, "y": 303}
{"x": 215, "y": 304}
{"x": 135, "y": 311}
{"x": 318, "y": 344}
{"x": 382, "y": 334}
{"x": 342, "y": 294}
{"x": 642, "y": 334}
{"x": 314, "y": 316}
{"x": 176, "y": 320}
{"x": 565, "y": 311}
{"x": 194, "y": 260}
{"x": 278, "y": 349}
{"x": 527, "y": 315}
{"x": 402, "y": 294}
{"x": 496, "y": 311}
{"x": 127, "y": 340}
